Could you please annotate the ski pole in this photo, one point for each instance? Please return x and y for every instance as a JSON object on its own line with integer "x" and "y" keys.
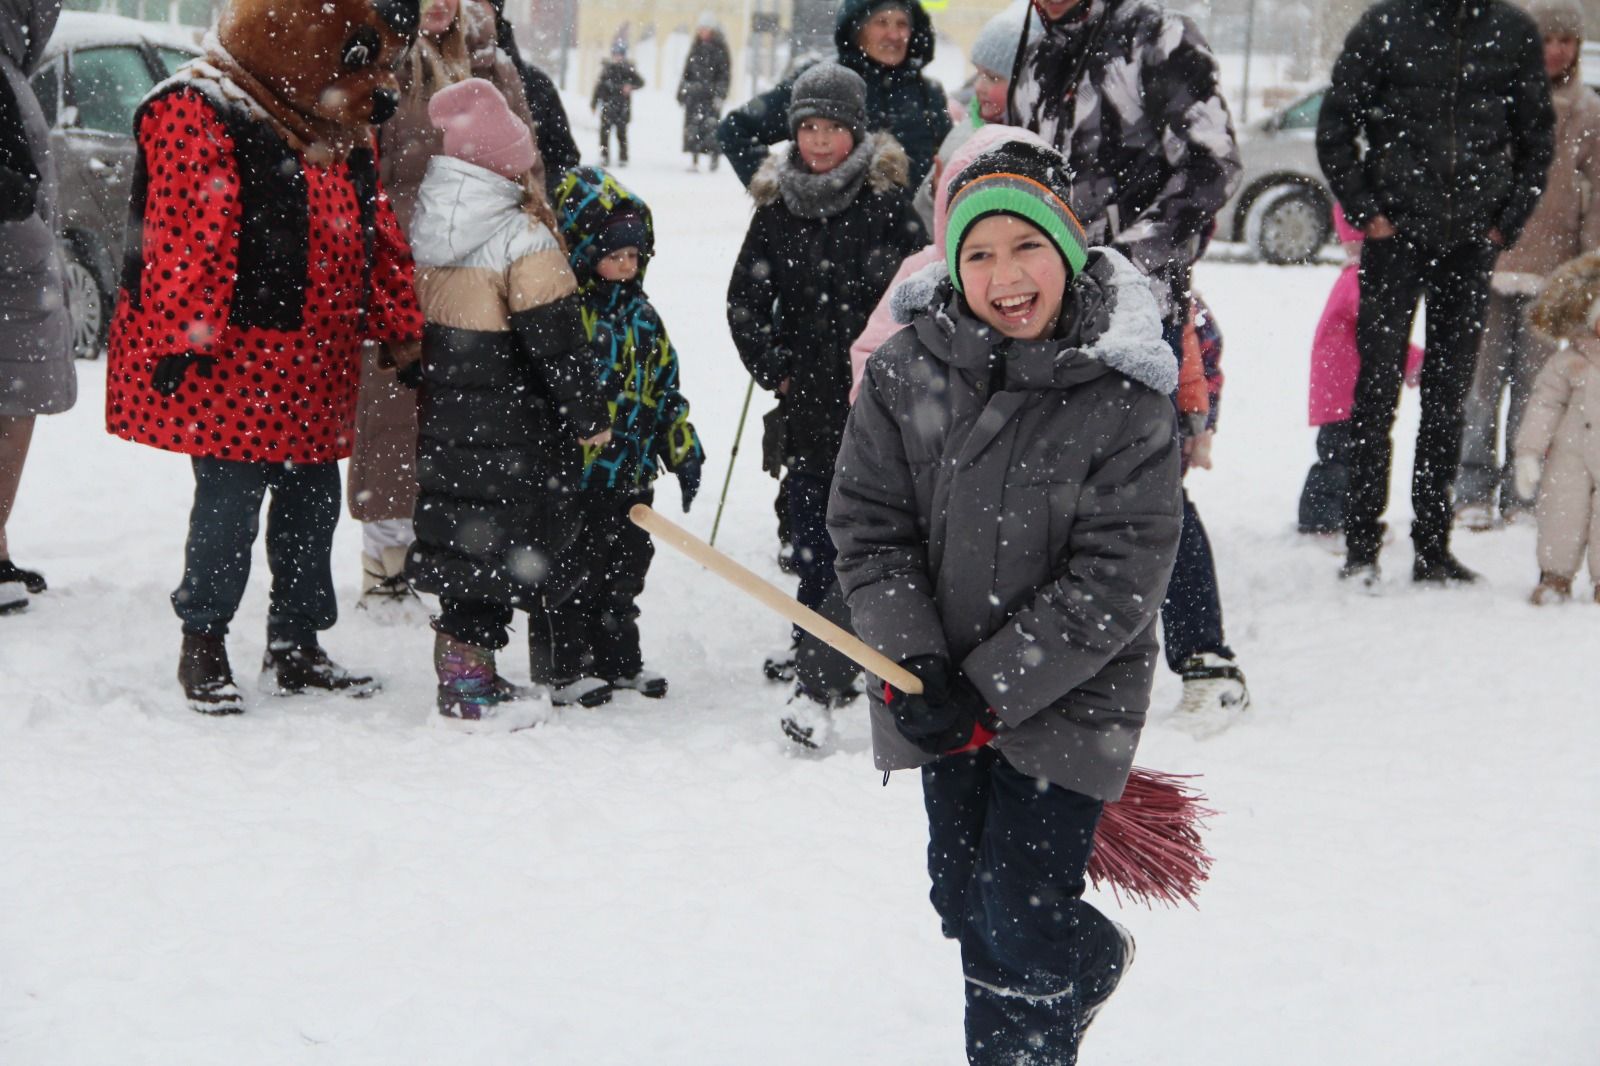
{"x": 728, "y": 479}
{"x": 836, "y": 637}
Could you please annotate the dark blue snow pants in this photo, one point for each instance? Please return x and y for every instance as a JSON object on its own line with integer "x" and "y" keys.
{"x": 1191, "y": 615}
{"x": 222, "y": 532}
{"x": 1007, "y": 854}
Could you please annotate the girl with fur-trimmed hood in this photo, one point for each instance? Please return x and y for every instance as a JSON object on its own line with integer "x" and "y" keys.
{"x": 833, "y": 220}
{"x": 1007, "y": 510}
{"x": 1558, "y": 444}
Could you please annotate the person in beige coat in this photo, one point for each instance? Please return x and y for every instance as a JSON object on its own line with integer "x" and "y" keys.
{"x": 1566, "y": 222}
{"x": 1558, "y": 445}
{"x": 456, "y": 42}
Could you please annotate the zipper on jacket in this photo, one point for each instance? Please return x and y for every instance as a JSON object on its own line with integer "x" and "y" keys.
{"x": 1455, "y": 149}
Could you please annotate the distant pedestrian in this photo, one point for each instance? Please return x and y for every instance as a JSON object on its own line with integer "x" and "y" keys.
{"x": 702, "y": 89}
{"x": 613, "y": 100}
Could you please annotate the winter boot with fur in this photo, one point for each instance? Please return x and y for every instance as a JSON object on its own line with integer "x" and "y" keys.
{"x": 289, "y": 669}
{"x": 1552, "y": 588}
{"x": 1214, "y": 694}
{"x": 206, "y": 678}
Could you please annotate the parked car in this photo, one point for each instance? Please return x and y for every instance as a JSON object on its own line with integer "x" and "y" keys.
{"x": 96, "y": 70}
{"x": 1283, "y": 209}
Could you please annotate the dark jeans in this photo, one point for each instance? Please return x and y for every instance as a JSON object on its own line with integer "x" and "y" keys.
{"x": 482, "y": 623}
{"x": 222, "y": 530}
{"x": 607, "y": 124}
{"x": 1007, "y": 854}
{"x": 1327, "y": 482}
{"x": 1191, "y": 615}
{"x": 1394, "y": 274}
{"x": 594, "y": 632}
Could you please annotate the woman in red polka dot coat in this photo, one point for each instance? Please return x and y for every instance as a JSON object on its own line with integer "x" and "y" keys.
{"x": 262, "y": 253}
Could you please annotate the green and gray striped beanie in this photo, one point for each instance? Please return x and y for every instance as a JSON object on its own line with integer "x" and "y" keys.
{"x": 1016, "y": 178}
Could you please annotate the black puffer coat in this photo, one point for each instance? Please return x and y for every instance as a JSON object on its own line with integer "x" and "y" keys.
{"x": 508, "y": 386}
{"x": 900, "y": 99}
{"x": 806, "y": 281}
{"x": 1452, "y": 99}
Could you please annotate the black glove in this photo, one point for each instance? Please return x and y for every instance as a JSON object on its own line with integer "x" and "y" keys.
{"x": 688, "y": 473}
{"x": 16, "y": 195}
{"x": 949, "y": 714}
{"x": 170, "y": 370}
{"x": 410, "y": 375}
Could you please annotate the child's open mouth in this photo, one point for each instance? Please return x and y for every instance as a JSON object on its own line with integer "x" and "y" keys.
{"x": 1017, "y": 309}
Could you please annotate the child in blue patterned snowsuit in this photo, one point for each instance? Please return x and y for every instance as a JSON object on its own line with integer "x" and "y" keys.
{"x": 587, "y": 644}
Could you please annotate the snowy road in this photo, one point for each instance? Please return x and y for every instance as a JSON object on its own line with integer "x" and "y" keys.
{"x": 1405, "y": 865}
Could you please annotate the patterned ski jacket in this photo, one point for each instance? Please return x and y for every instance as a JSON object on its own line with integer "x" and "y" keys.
{"x": 1128, "y": 92}
{"x": 635, "y": 360}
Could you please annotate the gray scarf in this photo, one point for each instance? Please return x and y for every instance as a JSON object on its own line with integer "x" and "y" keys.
{"x": 824, "y": 195}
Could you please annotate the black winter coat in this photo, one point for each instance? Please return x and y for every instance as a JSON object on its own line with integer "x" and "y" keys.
{"x": 803, "y": 287}
{"x": 613, "y": 91}
{"x": 1453, "y": 102}
{"x": 900, "y": 100}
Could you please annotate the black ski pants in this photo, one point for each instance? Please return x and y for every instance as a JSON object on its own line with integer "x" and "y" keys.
{"x": 1008, "y": 855}
{"x": 223, "y": 525}
{"x": 1395, "y": 273}
{"x": 594, "y": 631}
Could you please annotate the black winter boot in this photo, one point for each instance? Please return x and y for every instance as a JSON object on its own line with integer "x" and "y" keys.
{"x": 206, "y": 678}
{"x": 290, "y": 668}
{"x": 31, "y": 580}
{"x": 1441, "y": 569}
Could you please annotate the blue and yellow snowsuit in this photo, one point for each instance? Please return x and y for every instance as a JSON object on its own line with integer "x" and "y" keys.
{"x": 594, "y": 632}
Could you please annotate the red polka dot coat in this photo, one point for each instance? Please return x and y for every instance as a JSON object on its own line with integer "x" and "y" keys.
{"x": 241, "y": 250}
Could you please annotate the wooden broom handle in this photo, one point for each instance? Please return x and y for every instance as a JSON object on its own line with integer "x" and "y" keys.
{"x": 836, "y": 637}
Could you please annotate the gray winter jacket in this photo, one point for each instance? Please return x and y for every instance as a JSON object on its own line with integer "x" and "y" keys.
{"x": 1026, "y": 534}
{"x": 37, "y": 376}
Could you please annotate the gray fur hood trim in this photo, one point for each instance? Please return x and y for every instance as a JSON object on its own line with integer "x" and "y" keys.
{"x": 879, "y": 158}
{"x": 1123, "y": 333}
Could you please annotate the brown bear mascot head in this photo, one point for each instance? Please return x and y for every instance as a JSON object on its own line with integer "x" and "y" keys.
{"x": 322, "y": 70}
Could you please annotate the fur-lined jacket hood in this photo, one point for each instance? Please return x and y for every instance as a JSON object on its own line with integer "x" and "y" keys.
{"x": 878, "y": 163}
{"x": 1570, "y": 303}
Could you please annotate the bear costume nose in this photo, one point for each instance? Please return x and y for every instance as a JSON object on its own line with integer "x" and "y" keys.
{"x": 401, "y": 16}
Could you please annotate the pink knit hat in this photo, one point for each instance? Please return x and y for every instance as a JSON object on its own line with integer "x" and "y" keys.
{"x": 479, "y": 128}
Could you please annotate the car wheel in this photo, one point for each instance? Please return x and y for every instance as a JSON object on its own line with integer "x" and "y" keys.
{"x": 1288, "y": 224}
{"x": 88, "y": 303}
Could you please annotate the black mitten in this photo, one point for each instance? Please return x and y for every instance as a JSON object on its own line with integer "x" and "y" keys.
{"x": 688, "y": 473}
{"x": 948, "y": 712}
{"x": 170, "y": 371}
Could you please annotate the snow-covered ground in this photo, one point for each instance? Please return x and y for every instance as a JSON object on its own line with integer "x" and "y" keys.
{"x": 1405, "y": 859}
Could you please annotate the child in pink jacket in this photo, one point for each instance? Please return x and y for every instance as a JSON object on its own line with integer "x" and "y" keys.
{"x": 1335, "y": 362}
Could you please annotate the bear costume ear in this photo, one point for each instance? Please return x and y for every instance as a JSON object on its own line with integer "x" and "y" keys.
{"x": 327, "y": 66}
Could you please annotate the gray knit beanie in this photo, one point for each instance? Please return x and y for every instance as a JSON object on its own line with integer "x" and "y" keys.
{"x": 831, "y": 91}
{"x": 1557, "y": 18}
{"x": 995, "y": 48}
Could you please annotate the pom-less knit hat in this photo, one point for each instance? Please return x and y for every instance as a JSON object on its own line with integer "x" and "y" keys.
{"x": 1021, "y": 179}
{"x": 480, "y": 128}
{"x": 831, "y": 91}
{"x": 995, "y": 48}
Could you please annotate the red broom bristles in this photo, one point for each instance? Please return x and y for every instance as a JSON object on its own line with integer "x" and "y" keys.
{"x": 1147, "y": 845}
